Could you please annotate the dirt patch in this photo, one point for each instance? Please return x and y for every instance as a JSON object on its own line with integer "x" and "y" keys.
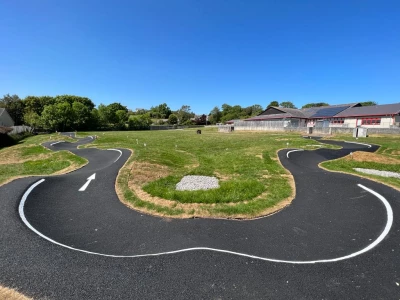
{"x": 144, "y": 172}
{"x": 13, "y": 156}
{"x": 372, "y": 157}
{"x": 259, "y": 156}
{"x": 10, "y": 294}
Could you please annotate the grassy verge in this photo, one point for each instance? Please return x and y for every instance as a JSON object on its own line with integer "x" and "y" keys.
{"x": 30, "y": 158}
{"x": 252, "y": 181}
{"x": 387, "y": 158}
{"x": 10, "y": 294}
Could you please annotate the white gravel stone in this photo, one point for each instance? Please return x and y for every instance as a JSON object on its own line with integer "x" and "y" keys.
{"x": 379, "y": 173}
{"x": 195, "y": 183}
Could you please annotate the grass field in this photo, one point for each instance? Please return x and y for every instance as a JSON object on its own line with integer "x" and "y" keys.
{"x": 387, "y": 158}
{"x": 252, "y": 181}
{"x": 28, "y": 157}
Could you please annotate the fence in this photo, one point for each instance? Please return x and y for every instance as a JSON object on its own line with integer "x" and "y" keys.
{"x": 169, "y": 127}
{"x": 20, "y": 129}
{"x": 260, "y": 125}
{"x": 288, "y": 127}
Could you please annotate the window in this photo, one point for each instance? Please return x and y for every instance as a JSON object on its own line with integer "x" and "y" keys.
{"x": 337, "y": 120}
{"x": 371, "y": 121}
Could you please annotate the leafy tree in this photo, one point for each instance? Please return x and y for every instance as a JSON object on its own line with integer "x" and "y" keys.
{"x": 287, "y": 104}
{"x": 368, "y": 103}
{"x": 58, "y": 116}
{"x": 71, "y": 99}
{"x": 184, "y": 114}
{"x": 173, "y": 119}
{"x": 315, "y": 105}
{"x": 122, "y": 117}
{"x": 215, "y": 115}
{"x": 36, "y": 104}
{"x": 161, "y": 111}
{"x": 138, "y": 122}
{"x": 14, "y": 106}
{"x": 32, "y": 119}
{"x": 112, "y": 112}
{"x": 273, "y": 103}
{"x": 81, "y": 115}
{"x": 103, "y": 115}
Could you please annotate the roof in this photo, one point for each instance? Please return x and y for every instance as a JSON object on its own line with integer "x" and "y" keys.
{"x": 232, "y": 121}
{"x": 376, "y": 110}
{"x": 286, "y": 113}
{"x": 2, "y": 110}
{"x": 328, "y": 111}
{"x": 269, "y": 117}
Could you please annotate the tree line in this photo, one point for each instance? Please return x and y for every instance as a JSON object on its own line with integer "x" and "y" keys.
{"x": 70, "y": 112}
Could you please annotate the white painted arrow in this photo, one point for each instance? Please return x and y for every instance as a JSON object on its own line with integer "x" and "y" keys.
{"x": 93, "y": 177}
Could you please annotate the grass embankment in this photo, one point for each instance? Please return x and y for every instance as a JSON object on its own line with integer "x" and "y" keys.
{"x": 252, "y": 180}
{"x": 30, "y": 158}
{"x": 386, "y": 158}
{"x": 10, "y": 294}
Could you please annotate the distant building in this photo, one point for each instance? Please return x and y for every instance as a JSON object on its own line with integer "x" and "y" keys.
{"x": 343, "y": 115}
{"x": 5, "y": 119}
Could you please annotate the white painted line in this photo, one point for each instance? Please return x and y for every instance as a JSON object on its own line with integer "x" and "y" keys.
{"x": 314, "y": 145}
{"x": 120, "y": 153}
{"x": 287, "y": 154}
{"x": 384, "y": 233}
{"x": 92, "y": 177}
{"x": 56, "y": 143}
{"x": 369, "y": 146}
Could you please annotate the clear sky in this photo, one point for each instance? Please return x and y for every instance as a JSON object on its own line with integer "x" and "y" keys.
{"x": 202, "y": 53}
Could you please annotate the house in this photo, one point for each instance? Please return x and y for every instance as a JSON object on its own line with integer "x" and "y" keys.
{"x": 5, "y": 119}
{"x": 377, "y": 116}
{"x": 343, "y": 115}
{"x": 292, "y": 117}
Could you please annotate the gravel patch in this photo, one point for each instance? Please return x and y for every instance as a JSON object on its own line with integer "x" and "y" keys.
{"x": 195, "y": 183}
{"x": 380, "y": 173}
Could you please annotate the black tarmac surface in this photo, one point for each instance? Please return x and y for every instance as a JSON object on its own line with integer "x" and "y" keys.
{"x": 330, "y": 217}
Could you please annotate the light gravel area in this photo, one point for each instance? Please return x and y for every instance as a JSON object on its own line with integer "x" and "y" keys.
{"x": 379, "y": 173}
{"x": 195, "y": 183}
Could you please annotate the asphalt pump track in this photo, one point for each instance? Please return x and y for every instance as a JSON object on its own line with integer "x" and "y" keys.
{"x": 335, "y": 219}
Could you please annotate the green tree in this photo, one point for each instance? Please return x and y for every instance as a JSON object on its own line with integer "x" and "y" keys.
{"x": 308, "y": 105}
{"x": 36, "y": 104}
{"x": 58, "y": 116}
{"x": 103, "y": 115}
{"x": 273, "y": 103}
{"x": 173, "y": 119}
{"x": 139, "y": 122}
{"x": 72, "y": 99}
{"x": 122, "y": 117}
{"x": 161, "y": 111}
{"x": 32, "y": 119}
{"x": 368, "y": 103}
{"x": 81, "y": 115}
{"x": 287, "y": 104}
{"x": 184, "y": 114}
{"x": 112, "y": 112}
{"x": 215, "y": 115}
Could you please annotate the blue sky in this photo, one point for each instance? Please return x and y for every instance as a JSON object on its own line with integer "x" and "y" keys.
{"x": 202, "y": 53}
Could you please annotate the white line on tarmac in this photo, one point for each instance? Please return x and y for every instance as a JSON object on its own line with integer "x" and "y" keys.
{"x": 287, "y": 154}
{"x": 120, "y": 153}
{"x": 56, "y": 143}
{"x": 384, "y": 233}
{"x": 369, "y": 146}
